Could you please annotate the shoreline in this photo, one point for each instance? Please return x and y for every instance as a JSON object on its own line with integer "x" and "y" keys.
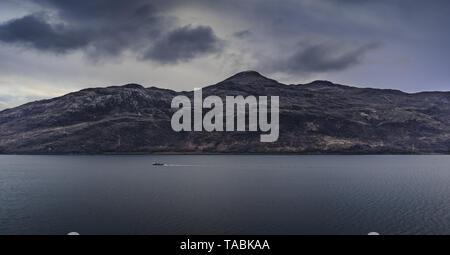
{"x": 224, "y": 154}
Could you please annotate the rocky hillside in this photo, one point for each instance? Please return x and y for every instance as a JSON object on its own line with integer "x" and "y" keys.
{"x": 320, "y": 117}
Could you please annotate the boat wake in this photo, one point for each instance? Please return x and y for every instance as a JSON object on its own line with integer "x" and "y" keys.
{"x": 177, "y": 165}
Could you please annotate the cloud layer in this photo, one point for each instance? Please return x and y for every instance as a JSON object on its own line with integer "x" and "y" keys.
{"x": 33, "y": 31}
{"x": 184, "y": 44}
{"x": 105, "y": 28}
{"x": 323, "y": 57}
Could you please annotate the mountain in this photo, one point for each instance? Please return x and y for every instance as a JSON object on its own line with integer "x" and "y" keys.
{"x": 319, "y": 117}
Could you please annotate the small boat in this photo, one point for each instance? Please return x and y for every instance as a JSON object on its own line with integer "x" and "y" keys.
{"x": 158, "y": 164}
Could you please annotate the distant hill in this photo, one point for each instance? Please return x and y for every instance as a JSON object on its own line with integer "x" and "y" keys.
{"x": 319, "y": 117}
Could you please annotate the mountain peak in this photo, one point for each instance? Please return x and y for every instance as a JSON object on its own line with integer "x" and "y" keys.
{"x": 133, "y": 86}
{"x": 249, "y": 78}
{"x": 246, "y": 75}
{"x": 322, "y": 82}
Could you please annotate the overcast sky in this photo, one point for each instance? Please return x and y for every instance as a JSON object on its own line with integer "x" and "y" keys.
{"x": 51, "y": 47}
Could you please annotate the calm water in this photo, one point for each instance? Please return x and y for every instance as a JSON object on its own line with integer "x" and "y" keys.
{"x": 225, "y": 195}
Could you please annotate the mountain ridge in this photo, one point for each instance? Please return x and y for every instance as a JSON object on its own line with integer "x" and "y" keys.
{"x": 319, "y": 117}
{"x": 207, "y": 86}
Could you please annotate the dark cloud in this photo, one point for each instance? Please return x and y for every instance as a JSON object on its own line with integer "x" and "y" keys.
{"x": 34, "y": 31}
{"x": 97, "y": 10}
{"x": 106, "y": 28}
{"x": 183, "y": 44}
{"x": 242, "y": 34}
{"x": 323, "y": 58}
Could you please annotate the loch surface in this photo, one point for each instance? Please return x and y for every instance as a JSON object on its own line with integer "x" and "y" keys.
{"x": 225, "y": 194}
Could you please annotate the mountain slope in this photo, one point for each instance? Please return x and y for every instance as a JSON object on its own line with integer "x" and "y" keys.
{"x": 320, "y": 117}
